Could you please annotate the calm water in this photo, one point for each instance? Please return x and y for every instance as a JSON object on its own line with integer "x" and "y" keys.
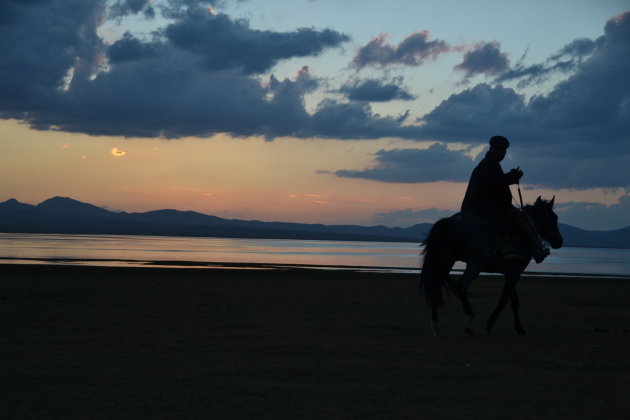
{"x": 136, "y": 250}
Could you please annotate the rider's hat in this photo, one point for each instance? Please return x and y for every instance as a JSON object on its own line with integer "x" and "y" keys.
{"x": 499, "y": 142}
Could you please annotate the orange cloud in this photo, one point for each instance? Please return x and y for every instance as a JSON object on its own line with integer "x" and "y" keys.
{"x": 117, "y": 152}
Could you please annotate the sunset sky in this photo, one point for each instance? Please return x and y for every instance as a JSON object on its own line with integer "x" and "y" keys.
{"x": 322, "y": 111}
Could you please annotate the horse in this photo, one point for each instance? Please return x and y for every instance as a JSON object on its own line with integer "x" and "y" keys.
{"x": 462, "y": 237}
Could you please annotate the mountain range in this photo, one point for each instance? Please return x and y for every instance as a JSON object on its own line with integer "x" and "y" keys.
{"x": 65, "y": 215}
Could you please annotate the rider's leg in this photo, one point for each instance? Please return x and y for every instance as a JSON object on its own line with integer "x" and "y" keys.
{"x": 526, "y": 226}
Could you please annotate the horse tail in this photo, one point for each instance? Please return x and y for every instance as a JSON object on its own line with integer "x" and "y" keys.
{"x": 436, "y": 261}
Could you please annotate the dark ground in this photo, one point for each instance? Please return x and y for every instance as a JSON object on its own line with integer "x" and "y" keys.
{"x": 116, "y": 343}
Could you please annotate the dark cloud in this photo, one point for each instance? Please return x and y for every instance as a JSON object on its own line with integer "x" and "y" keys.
{"x": 436, "y": 163}
{"x": 568, "y": 171}
{"x": 130, "y": 48}
{"x": 222, "y": 43}
{"x": 173, "y": 85}
{"x": 412, "y": 51}
{"x": 469, "y": 116}
{"x": 566, "y": 60}
{"x": 485, "y": 58}
{"x": 354, "y": 120}
{"x": 201, "y": 75}
{"x": 374, "y": 90}
{"x": 127, "y": 7}
{"x": 39, "y": 42}
{"x": 578, "y": 48}
{"x": 587, "y": 115}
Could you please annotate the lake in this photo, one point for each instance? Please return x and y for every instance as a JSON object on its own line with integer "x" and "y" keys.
{"x": 168, "y": 251}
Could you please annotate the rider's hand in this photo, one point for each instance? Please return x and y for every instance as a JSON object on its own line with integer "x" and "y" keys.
{"x": 517, "y": 173}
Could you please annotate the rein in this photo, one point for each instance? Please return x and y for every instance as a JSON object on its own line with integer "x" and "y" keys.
{"x": 520, "y": 196}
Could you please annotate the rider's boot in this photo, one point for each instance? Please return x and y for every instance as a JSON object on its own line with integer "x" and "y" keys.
{"x": 539, "y": 252}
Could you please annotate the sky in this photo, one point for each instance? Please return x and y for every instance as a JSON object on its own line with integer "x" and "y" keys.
{"x": 315, "y": 111}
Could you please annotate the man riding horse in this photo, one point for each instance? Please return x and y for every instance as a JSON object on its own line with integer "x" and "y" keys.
{"x": 488, "y": 206}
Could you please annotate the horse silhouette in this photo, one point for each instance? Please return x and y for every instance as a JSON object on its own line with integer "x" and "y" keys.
{"x": 462, "y": 237}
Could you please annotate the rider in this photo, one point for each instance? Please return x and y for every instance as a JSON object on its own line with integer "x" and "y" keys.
{"x": 489, "y": 197}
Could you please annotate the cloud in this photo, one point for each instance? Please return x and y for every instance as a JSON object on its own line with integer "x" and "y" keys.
{"x": 436, "y": 163}
{"x": 222, "y": 43}
{"x": 485, "y": 58}
{"x": 475, "y": 114}
{"x": 572, "y": 172}
{"x": 127, "y": 7}
{"x": 354, "y": 120}
{"x": 195, "y": 77}
{"x": 129, "y": 48}
{"x": 576, "y": 136}
{"x": 414, "y": 50}
{"x": 374, "y": 90}
{"x": 40, "y": 42}
{"x": 566, "y": 60}
{"x": 410, "y": 217}
{"x": 201, "y": 75}
{"x": 595, "y": 216}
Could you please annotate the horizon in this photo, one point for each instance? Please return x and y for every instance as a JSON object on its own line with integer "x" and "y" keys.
{"x": 120, "y": 211}
{"x": 315, "y": 111}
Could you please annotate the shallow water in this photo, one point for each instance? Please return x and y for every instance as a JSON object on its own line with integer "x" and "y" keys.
{"x": 138, "y": 250}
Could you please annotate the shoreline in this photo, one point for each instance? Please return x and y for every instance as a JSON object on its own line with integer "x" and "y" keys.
{"x": 126, "y": 342}
{"x": 211, "y": 265}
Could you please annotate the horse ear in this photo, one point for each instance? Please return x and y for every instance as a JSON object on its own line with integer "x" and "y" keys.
{"x": 552, "y": 201}
{"x": 538, "y": 200}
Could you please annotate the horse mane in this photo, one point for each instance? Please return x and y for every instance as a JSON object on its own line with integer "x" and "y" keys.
{"x": 537, "y": 204}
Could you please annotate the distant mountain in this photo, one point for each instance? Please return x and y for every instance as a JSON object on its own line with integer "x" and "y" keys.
{"x": 68, "y": 207}
{"x": 65, "y": 215}
{"x": 573, "y": 236}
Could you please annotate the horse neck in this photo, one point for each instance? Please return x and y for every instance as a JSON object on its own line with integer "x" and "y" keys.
{"x": 533, "y": 214}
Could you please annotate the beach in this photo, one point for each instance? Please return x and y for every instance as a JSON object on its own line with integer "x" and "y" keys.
{"x": 177, "y": 343}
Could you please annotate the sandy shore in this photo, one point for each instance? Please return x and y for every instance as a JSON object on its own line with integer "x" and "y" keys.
{"x": 113, "y": 343}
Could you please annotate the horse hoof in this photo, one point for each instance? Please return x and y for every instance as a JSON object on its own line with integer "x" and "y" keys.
{"x": 468, "y": 325}
{"x": 437, "y": 331}
{"x": 486, "y": 331}
{"x": 520, "y": 331}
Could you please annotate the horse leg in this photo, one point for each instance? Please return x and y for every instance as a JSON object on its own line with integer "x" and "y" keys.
{"x": 515, "y": 307}
{"x": 470, "y": 273}
{"x": 468, "y": 314}
{"x": 435, "y": 326}
{"x": 506, "y": 293}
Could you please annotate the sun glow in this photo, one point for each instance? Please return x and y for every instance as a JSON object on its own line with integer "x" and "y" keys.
{"x": 117, "y": 152}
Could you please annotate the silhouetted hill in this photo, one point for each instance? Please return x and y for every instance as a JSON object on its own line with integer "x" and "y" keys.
{"x": 619, "y": 238}
{"x": 64, "y": 206}
{"x": 65, "y": 215}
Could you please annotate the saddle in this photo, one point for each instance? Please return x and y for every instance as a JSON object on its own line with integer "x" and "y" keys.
{"x": 509, "y": 244}
{"x": 504, "y": 242}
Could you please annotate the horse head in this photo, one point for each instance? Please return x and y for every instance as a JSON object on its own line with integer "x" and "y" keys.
{"x": 546, "y": 221}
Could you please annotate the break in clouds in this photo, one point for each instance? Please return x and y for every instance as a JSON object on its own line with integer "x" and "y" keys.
{"x": 202, "y": 74}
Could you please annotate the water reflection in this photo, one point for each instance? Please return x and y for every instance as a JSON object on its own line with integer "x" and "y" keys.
{"x": 118, "y": 249}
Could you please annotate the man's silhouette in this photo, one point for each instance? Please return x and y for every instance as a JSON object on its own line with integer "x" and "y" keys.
{"x": 489, "y": 198}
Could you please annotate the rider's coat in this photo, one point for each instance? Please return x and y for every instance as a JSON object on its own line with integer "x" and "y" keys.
{"x": 488, "y": 195}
